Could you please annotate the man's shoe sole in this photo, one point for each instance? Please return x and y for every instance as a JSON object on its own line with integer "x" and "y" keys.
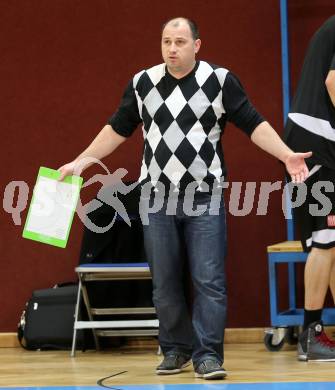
{"x": 212, "y": 375}
{"x": 175, "y": 371}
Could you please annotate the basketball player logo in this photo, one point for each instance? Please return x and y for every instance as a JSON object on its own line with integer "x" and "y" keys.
{"x": 112, "y": 184}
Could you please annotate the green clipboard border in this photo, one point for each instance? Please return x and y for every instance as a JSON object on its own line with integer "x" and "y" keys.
{"x": 54, "y": 175}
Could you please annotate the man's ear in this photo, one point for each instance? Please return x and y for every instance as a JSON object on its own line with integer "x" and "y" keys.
{"x": 197, "y": 44}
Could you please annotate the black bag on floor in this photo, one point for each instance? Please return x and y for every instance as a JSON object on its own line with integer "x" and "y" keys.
{"x": 47, "y": 322}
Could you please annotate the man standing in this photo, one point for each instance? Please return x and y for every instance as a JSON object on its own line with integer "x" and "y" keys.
{"x": 311, "y": 125}
{"x": 184, "y": 105}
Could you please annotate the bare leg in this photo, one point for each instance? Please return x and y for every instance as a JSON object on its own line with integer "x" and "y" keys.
{"x": 332, "y": 277}
{"x": 313, "y": 342}
{"x": 318, "y": 270}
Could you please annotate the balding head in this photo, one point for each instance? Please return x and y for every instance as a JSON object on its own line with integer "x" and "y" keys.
{"x": 176, "y": 22}
{"x": 179, "y": 46}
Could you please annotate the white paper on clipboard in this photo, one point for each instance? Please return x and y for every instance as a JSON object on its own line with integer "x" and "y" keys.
{"x": 52, "y": 208}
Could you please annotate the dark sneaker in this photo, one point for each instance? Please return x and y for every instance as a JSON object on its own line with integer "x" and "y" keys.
{"x": 172, "y": 364}
{"x": 210, "y": 369}
{"x": 302, "y": 346}
{"x": 314, "y": 344}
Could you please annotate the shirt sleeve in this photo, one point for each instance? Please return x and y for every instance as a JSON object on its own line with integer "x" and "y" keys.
{"x": 238, "y": 108}
{"x": 126, "y": 119}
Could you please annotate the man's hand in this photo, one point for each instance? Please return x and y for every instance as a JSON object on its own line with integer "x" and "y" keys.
{"x": 296, "y": 166}
{"x": 66, "y": 170}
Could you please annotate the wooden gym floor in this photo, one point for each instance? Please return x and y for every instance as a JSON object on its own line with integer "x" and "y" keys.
{"x": 249, "y": 366}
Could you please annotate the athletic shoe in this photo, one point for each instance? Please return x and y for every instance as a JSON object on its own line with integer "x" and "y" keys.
{"x": 210, "y": 369}
{"x": 314, "y": 344}
{"x": 173, "y": 363}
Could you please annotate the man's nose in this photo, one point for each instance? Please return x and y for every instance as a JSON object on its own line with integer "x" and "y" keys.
{"x": 172, "y": 47}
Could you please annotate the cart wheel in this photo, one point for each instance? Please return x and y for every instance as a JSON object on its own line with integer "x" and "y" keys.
{"x": 272, "y": 343}
{"x": 291, "y": 336}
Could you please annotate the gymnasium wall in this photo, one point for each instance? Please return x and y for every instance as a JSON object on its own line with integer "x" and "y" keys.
{"x": 63, "y": 67}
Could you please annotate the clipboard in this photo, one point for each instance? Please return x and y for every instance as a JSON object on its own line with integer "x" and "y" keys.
{"x": 52, "y": 208}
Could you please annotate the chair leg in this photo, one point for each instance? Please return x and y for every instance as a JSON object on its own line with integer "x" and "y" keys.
{"x": 89, "y": 313}
{"x": 74, "y": 337}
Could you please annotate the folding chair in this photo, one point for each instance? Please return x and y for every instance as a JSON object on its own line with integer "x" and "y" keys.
{"x": 112, "y": 272}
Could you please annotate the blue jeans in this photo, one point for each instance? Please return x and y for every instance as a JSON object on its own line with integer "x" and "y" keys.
{"x": 204, "y": 238}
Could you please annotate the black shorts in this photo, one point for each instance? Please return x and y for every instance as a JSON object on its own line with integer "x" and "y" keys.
{"x": 315, "y": 217}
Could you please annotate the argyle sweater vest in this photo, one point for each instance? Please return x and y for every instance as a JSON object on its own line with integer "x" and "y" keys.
{"x": 183, "y": 120}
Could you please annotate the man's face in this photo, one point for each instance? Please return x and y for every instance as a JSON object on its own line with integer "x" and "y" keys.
{"x": 178, "y": 47}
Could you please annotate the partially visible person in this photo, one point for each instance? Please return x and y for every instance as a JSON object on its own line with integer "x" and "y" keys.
{"x": 311, "y": 125}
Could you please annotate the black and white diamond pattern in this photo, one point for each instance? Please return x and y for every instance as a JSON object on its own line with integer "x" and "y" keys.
{"x": 203, "y": 72}
{"x": 197, "y": 136}
{"x": 163, "y": 118}
{"x": 174, "y": 170}
{"x": 155, "y": 137}
{"x": 146, "y": 85}
{"x": 153, "y": 101}
{"x": 211, "y": 87}
{"x": 163, "y": 154}
{"x": 175, "y": 102}
{"x": 199, "y": 103}
{"x": 181, "y": 124}
{"x": 198, "y": 169}
{"x": 186, "y": 153}
{"x": 173, "y": 136}
{"x": 154, "y": 170}
{"x": 190, "y": 88}
{"x": 208, "y": 119}
{"x": 186, "y": 119}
